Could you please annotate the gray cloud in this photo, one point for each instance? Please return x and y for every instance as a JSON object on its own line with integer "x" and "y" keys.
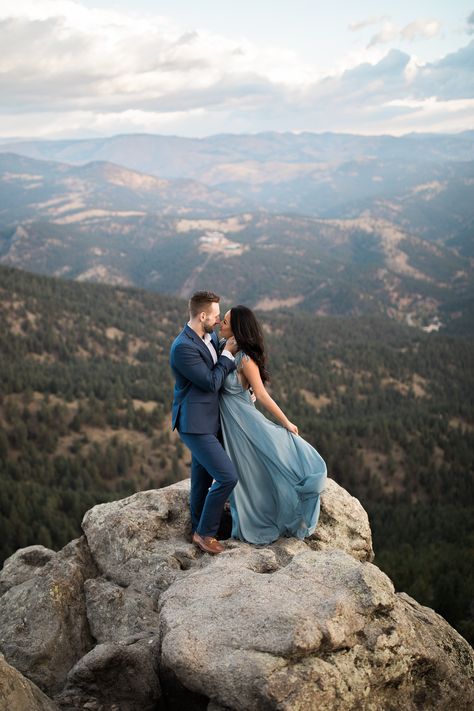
{"x": 30, "y": 46}
{"x": 365, "y": 85}
{"x": 187, "y": 38}
{"x": 470, "y": 23}
{"x": 45, "y": 65}
{"x": 390, "y": 94}
{"x": 449, "y": 78}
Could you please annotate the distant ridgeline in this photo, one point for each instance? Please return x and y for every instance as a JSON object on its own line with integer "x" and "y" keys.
{"x": 335, "y": 225}
{"x": 84, "y": 418}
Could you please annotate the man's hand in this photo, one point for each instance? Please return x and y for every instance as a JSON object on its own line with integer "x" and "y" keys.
{"x": 231, "y": 345}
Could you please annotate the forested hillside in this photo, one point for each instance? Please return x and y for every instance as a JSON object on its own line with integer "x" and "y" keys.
{"x": 86, "y": 390}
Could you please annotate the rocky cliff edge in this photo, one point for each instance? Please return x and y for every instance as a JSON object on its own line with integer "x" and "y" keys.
{"x": 132, "y": 617}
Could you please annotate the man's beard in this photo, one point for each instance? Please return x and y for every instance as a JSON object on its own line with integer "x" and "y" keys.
{"x": 208, "y": 329}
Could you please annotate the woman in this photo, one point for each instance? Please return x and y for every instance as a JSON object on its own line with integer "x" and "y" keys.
{"x": 281, "y": 476}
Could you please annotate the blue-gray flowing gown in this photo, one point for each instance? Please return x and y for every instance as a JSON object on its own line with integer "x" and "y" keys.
{"x": 281, "y": 476}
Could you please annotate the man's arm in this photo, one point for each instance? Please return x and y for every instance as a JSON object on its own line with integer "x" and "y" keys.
{"x": 188, "y": 361}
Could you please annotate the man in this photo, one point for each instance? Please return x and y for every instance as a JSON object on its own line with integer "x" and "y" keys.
{"x": 200, "y": 371}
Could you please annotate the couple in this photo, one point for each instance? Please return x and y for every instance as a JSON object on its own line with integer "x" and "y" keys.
{"x": 272, "y": 477}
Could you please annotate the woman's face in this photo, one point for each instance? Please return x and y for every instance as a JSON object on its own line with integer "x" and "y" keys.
{"x": 225, "y": 329}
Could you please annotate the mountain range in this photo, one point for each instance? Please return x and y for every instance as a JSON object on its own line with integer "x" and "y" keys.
{"x": 402, "y": 248}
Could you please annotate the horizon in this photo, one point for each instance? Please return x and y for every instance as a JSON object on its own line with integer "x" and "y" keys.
{"x": 26, "y": 139}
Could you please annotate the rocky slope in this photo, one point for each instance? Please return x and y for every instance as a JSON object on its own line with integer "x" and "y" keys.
{"x": 132, "y": 617}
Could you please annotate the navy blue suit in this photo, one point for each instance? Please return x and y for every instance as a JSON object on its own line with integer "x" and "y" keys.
{"x": 195, "y": 415}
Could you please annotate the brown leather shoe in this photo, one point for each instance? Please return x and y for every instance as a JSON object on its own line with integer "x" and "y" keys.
{"x": 208, "y": 544}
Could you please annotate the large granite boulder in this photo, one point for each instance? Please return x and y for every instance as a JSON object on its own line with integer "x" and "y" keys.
{"x": 115, "y": 612}
{"x": 140, "y": 545}
{"x": 323, "y": 631}
{"x": 143, "y": 541}
{"x": 120, "y": 676}
{"x": 133, "y": 617}
{"x": 43, "y": 621}
{"x": 22, "y": 565}
{"x": 343, "y": 524}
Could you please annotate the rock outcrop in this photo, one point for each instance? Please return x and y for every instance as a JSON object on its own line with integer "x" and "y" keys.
{"x": 19, "y": 694}
{"x": 132, "y": 617}
{"x": 22, "y": 565}
{"x": 43, "y": 620}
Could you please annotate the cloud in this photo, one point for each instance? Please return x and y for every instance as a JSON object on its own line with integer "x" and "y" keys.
{"x": 388, "y": 33}
{"x": 115, "y": 53}
{"x": 69, "y": 70}
{"x": 398, "y": 76}
{"x": 470, "y": 23}
{"x": 422, "y": 28}
{"x": 64, "y": 55}
{"x": 397, "y": 94}
{"x": 362, "y": 24}
{"x": 449, "y": 78}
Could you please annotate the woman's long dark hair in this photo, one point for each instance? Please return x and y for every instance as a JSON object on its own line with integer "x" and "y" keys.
{"x": 249, "y": 336}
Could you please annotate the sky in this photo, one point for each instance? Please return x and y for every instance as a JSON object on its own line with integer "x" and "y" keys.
{"x": 86, "y": 68}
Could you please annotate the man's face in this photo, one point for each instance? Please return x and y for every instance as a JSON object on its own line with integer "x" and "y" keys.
{"x": 212, "y": 318}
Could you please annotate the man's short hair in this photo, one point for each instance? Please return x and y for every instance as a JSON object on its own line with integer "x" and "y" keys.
{"x": 201, "y": 301}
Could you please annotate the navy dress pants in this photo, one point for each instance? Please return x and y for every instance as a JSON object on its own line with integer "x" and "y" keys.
{"x": 209, "y": 462}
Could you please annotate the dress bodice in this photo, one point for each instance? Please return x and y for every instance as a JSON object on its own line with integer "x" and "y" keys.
{"x": 232, "y": 384}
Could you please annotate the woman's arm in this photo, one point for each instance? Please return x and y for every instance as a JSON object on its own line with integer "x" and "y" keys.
{"x": 252, "y": 374}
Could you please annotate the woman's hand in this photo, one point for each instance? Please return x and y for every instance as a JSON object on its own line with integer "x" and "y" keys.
{"x": 231, "y": 345}
{"x": 291, "y": 427}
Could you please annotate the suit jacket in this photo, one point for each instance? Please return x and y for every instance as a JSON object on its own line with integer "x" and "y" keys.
{"x": 197, "y": 383}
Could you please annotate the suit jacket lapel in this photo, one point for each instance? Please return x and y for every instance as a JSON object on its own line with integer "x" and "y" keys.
{"x": 193, "y": 335}
{"x": 215, "y": 342}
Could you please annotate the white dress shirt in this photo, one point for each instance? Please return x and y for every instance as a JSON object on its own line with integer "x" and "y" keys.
{"x": 208, "y": 341}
